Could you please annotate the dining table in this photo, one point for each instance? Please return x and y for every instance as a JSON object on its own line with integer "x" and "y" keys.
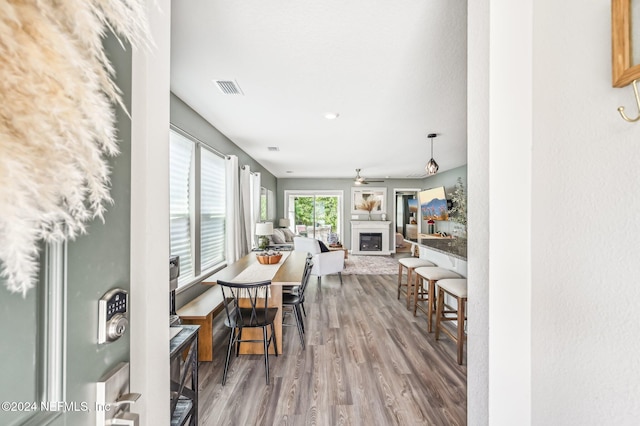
{"x": 287, "y": 272}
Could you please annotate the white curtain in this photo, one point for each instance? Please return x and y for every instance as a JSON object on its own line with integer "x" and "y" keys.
{"x": 255, "y": 200}
{"x": 233, "y": 223}
{"x": 246, "y": 228}
{"x": 249, "y": 204}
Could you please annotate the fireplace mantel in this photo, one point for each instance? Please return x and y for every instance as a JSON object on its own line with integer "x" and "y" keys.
{"x": 370, "y": 226}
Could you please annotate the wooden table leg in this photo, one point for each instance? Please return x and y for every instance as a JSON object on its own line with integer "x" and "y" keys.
{"x": 205, "y": 336}
{"x": 276, "y": 297}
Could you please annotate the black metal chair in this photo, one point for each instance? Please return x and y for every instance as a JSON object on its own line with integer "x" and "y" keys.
{"x": 255, "y": 313}
{"x": 295, "y": 298}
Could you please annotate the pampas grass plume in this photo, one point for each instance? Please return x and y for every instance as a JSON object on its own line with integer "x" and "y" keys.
{"x": 57, "y": 123}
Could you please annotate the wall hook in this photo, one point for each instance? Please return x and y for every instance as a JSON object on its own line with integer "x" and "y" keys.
{"x": 621, "y": 109}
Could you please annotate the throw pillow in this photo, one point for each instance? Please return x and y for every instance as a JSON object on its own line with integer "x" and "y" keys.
{"x": 278, "y": 237}
{"x": 288, "y": 235}
{"x": 323, "y": 247}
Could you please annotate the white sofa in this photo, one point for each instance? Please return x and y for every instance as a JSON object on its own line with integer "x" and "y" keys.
{"x": 331, "y": 262}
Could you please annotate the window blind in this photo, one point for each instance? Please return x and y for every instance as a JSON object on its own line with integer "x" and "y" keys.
{"x": 197, "y": 204}
{"x": 212, "y": 206}
{"x": 181, "y": 183}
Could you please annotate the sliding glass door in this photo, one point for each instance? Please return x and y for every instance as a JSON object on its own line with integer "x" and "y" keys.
{"x": 316, "y": 214}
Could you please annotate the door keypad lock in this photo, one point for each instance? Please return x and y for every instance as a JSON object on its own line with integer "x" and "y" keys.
{"x": 113, "y": 315}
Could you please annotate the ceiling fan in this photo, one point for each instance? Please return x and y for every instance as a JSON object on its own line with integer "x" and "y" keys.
{"x": 359, "y": 180}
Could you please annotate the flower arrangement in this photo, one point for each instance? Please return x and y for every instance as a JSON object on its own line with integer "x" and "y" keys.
{"x": 58, "y": 122}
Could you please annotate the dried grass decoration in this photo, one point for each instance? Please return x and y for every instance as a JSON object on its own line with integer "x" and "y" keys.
{"x": 368, "y": 205}
{"x": 57, "y": 122}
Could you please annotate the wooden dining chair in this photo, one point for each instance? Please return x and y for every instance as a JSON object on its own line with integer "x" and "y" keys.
{"x": 245, "y": 305}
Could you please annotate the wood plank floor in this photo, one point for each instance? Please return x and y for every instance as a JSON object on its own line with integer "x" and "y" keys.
{"x": 368, "y": 361}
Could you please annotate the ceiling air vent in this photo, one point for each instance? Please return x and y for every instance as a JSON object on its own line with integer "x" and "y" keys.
{"x": 273, "y": 148}
{"x": 228, "y": 87}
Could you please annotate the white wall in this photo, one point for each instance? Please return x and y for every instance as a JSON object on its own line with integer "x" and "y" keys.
{"x": 150, "y": 222}
{"x": 551, "y": 105}
{"x": 478, "y": 213}
{"x": 585, "y": 294}
{"x": 510, "y": 139}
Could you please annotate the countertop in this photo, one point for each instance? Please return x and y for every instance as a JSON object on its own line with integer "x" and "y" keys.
{"x": 450, "y": 246}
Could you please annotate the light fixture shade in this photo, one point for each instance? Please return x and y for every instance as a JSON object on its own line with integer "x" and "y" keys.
{"x": 264, "y": 228}
{"x": 284, "y": 222}
{"x": 432, "y": 167}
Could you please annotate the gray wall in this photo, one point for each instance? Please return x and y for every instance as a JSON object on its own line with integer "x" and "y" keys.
{"x": 447, "y": 179}
{"x": 191, "y": 122}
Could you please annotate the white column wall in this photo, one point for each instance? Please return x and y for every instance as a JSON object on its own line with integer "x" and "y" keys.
{"x": 478, "y": 215}
{"x": 150, "y": 222}
{"x": 510, "y": 136}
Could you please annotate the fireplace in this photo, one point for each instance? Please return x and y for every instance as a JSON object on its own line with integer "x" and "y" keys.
{"x": 371, "y": 237}
{"x": 370, "y": 241}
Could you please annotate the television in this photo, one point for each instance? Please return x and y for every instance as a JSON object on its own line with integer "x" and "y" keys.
{"x": 433, "y": 204}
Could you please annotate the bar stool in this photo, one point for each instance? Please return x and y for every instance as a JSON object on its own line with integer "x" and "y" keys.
{"x": 433, "y": 275}
{"x": 458, "y": 289}
{"x": 410, "y": 263}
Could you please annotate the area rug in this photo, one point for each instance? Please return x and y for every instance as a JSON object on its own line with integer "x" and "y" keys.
{"x": 370, "y": 265}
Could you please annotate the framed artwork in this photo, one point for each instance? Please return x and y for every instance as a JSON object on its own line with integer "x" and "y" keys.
{"x": 433, "y": 204}
{"x": 625, "y": 29}
{"x": 368, "y": 200}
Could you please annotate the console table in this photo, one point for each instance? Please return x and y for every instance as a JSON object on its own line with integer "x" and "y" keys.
{"x": 183, "y": 350}
{"x": 338, "y": 248}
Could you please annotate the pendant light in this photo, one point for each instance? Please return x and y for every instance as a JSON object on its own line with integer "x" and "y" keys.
{"x": 432, "y": 166}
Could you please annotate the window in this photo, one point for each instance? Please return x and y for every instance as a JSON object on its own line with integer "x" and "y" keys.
{"x": 315, "y": 214}
{"x": 197, "y": 207}
{"x": 212, "y": 206}
{"x": 263, "y": 205}
{"x": 267, "y": 205}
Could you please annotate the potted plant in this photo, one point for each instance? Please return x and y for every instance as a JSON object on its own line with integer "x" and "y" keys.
{"x": 458, "y": 212}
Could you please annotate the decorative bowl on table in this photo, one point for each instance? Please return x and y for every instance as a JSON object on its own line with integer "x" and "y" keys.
{"x": 269, "y": 258}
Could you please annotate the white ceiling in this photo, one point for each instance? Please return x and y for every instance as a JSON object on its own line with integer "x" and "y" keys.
{"x": 394, "y": 71}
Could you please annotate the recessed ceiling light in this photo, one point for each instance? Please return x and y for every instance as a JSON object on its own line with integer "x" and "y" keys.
{"x": 331, "y": 115}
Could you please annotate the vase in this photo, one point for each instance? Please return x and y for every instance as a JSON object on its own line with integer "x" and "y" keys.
{"x": 369, "y": 216}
